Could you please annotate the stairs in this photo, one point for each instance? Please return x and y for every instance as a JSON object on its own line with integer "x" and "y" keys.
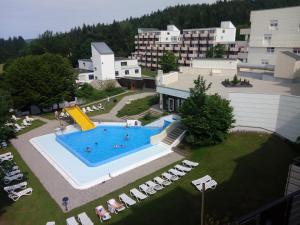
{"x": 173, "y": 135}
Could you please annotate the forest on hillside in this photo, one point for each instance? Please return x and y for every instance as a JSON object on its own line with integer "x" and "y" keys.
{"x": 119, "y": 35}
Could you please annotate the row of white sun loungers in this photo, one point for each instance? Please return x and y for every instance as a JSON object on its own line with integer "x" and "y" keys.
{"x": 144, "y": 191}
{"x": 93, "y": 108}
{"x": 15, "y": 190}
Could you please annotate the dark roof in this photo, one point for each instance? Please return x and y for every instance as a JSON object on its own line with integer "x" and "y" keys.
{"x": 292, "y": 55}
{"x": 102, "y": 48}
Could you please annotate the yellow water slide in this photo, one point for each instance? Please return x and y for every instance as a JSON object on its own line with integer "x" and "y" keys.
{"x": 80, "y": 118}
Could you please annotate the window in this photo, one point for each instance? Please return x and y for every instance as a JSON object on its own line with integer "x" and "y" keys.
{"x": 223, "y": 31}
{"x": 136, "y": 71}
{"x": 91, "y": 77}
{"x": 296, "y": 51}
{"x": 274, "y": 25}
{"x": 95, "y": 68}
{"x": 126, "y": 72}
{"x": 267, "y": 38}
{"x": 168, "y": 33}
{"x": 270, "y": 50}
{"x": 117, "y": 73}
{"x": 84, "y": 64}
{"x": 264, "y": 62}
{"x": 123, "y": 63}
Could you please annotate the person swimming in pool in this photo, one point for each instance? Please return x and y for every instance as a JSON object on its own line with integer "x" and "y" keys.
{"x": 88, "y": 149}
{"x": 126, "y": 137}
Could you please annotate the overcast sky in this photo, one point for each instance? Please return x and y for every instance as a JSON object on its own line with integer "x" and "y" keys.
{"x": 29, "y": 18}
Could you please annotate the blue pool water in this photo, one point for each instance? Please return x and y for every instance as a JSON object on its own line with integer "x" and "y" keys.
{"x": 106, "y": 143}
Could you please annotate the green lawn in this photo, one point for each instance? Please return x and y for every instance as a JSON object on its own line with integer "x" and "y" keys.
{"x": 250, "y": 169}
{"x": 35, "y": 124}
{"x": 1, "y": 68}
{"x": 148, "y": 72}
{"x": 138, "y": 106}
{"x": 48, "y": 115}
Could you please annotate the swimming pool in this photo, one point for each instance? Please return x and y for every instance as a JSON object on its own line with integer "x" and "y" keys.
{"x": 106, "y": 143}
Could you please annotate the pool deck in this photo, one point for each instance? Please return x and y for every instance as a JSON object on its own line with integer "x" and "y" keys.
{"x": 58, "y": 187}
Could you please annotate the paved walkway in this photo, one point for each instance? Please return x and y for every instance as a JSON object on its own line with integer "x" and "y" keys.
{"x": 58, "y": 187}
{"x": 112, "y": 115}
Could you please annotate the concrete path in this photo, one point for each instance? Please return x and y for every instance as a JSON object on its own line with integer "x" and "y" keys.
{"x": 112, "y": 115}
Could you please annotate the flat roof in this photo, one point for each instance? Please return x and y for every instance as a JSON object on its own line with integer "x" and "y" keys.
{"x": 281, "y": 8}
{"x": 102, "y": 48}
{"x": 186, "y": 81}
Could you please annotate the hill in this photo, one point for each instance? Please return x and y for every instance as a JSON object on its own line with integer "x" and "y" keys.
{"x": 120, "y": 35}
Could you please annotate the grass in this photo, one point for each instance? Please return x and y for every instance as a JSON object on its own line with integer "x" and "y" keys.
{"x": 34, "y": 124}
{"x": 48, "y": 115}
{"x": 148, "y": 72}
{"x": 250, "y": 169}
{"x": 148, "y": 119}
{"x": 1, "y": 68}
{"x": 138, "y": 106}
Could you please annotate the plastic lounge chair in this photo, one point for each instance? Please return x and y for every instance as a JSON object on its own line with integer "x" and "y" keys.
{"x": 25, "y": 123}
{"x": 11, "y": 188}
{"x": 208, "y": 185}
{"x": 12, "y": 173}
{"x": 4, "y": 144}
{"x": 137, "y": 194}
{"x": 89, "y": 109}
{"x": 95, "y": 108}
{"x": 170, "y": 177}
{"x": 102, "y": 213}
{"x": 83, "y": 110}
{"x": 100, "y": 106}
{"x": 8, "y": 179}
{"x": 189, "y": 163}
{"x": 183, "y": 168}
{"x": 16, "y": 195}
{"x": 161, "y": 181}
{"x": 15, "y": 118}
{"x": 201, "y": 180}
{"x": 126, "y": 200}
{"x": 177, "y": 172}
{"x": 72, "y": 221}
{"x": 7, "y": 158}
{"x": 115, "y": 206}
{"x": 19, "y": 127}
{"x": 156, "y": 187}
{"x": 50, "y": 223}
{"x": 146, "y": 189}
{"x": 84, "y": 219}
{"x": 29, "y": 119}
{"x": 5, "y": 155}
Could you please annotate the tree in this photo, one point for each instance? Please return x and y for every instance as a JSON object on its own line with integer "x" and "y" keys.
{"x": 207, "y": 118}
{"x": 168, "y": 62}
{"x": 217, "y": 51}
{"x": 5, "y": 104}
{"x": 41, "y": 80}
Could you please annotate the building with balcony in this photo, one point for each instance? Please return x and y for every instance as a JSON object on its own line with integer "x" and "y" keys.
{"x": 273, "y": 31}
{"x": 191, "y": 44}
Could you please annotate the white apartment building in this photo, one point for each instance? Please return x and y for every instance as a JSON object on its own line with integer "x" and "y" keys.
{"x": 104, "y": 66}
{"x": 150, "y": 43}
{"x": 272, "y": 31}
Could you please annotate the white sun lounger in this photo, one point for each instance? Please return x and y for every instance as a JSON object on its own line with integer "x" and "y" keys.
{"x": 146, "y": 189}
{"x": 201, "y": 180}
{"x": 19, "y": 127}
{"x": 102, "y": 213}
{"x": 156, "y": 187}
{"x": 50, "y": 223}
{"x": 100, "y": 106}
{"x": 15, "y": 118}
{"x": 12, "y": 173}
{"x": 95, "y": 108}
{"x": 170, "y": 177}
{"x": 89, "y": 109}
{"x": 11, "y": 188}
{"x": 8, "y": 179}
{"x": 183, "y": 168}
{"x": 3, "y": 144}
{"x": 83, "y": 110}
{"x": 84, "y": 219}
{"x": 177, "y": 172}
{"x": 137, "y": 194}
{"x": 7, "y": 158}
{"x": 29, "y": 119}
{"x": 16, "y": 195}
{"x": 5, "y": 155}
{"x": 161, "y": 181}
{"x": 72, "y": 221}
{"x": 115, "y": 206}
{"x": 126, "y": 200}
{"x": 189, "y": 163}
{"x": 25, "y": 123}
{"x": 208, "y": 185}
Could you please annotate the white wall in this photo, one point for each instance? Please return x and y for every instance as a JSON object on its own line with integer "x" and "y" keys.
{"x": 167, "y": 78}
{"x": 277, "y": 113}
{"x": 225, "y": 35}
{"x": 214, "y": 64}
{"x": 85, "y": 78}
{"x": 255, "y": 55}
{"x": 131, "y": 67}
{"x": 104, "y": 65}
